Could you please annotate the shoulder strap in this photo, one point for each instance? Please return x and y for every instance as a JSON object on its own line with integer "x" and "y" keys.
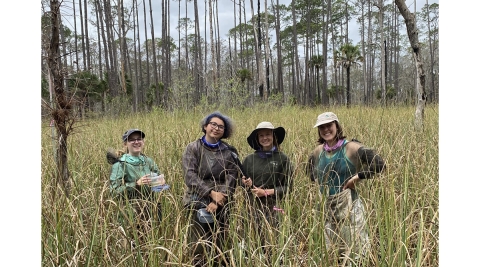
{"x": 355, "y": 140}
{"x": 234, "y": 152}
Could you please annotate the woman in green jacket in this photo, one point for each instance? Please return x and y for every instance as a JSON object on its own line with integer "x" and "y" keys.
{"x": 130, "y": 180}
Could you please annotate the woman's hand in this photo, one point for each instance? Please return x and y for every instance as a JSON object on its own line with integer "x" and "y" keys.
{"x": 212, "y": 207}
{"x": 247, "y": 181}
{"x": 351, "y": 182}
{"x": 218, "y": 197}
{"x": 144, "y": 180}
{"x": 260, "y": 192}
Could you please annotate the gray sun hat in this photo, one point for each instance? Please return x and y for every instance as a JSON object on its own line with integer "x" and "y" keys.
{"x": 278, "y": 132}
{"x": 326, "y": 117}
{"x": 131, "y": 131}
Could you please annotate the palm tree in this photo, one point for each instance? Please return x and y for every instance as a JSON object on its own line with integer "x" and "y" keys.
{"x": 348, "y": 56}
{"x": 244, "y": 74}
{"x": 317, "y": 63}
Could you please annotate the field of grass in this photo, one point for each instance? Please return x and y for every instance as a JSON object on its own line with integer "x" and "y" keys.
{"x": 401, "y": 203}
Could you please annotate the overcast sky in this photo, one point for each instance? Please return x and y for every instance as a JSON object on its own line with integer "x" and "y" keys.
{"x": 225, "y": 16}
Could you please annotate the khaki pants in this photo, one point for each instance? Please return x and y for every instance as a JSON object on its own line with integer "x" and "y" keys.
{"x": 345, "y": 225}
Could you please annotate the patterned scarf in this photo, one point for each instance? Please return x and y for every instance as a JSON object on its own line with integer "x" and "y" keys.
{"x": 337, "y": 145}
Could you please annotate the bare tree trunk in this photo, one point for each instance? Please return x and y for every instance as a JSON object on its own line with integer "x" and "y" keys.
{"x": 279, "y": 53}
{"x": 112, "y": 49}
{"x": 205, "y": 70}
{"x": 396, "y": 49}
{"x": 165, "y": 43}
{"x": 261, "y": 77}
{"x": 235, "y": 63}
{"x": 303, "y": 94}
{"x": 135, "y": 39}
{"x": 372, "y": 58}
{"x": 99, "y": 43}
{"x": 218, "y": 42}
{"x": 242, "y": 63}
{"x": 64, "y": 51}
{"x": 199, "y": 78}
{"x": 412, "y": 32}
{"x": 168, "y": 78}
{"x": 105, "y": 49}
{"x": 187, "y": 59}
{"x": 295, "y": 67}
{"x": 154, "y": 55}
{"x": 212, "y": 47}
{"x": 261, "y": 88}
{"x": 121, "y": 38}
{"x": 76, "y": 37}
{"x": 62, "y": 112}
{"x": 325, "y": 55}
{"x": 87, "y": 41}
{"x": 381, "y": 11}
{"x": 179, "y": 35}
{"x": 364, "y": 66}
{"x": 267, "y": 51}
{"x": 83, "y": 35}
{"x": 432, "y": 58}
{"x": 146, "y": 43}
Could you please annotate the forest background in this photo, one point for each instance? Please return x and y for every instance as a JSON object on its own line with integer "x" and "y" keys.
{"x": 277, "y": 55}
{"x": 456, "y": 22}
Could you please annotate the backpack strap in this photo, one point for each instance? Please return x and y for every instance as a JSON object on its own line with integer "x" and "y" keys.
{"x": 234, "y": 152}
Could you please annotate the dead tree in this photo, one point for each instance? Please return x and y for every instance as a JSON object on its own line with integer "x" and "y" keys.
{"x": 412, "y": 32}
{"x": 61, "y": 110}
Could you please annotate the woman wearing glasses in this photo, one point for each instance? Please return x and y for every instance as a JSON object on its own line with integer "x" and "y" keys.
{"x": 211, "y": 172}
{"x": 130, "y": 180}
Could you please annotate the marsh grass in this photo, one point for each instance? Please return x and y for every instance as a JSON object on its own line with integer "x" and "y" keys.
{"x": 401, "y": 203}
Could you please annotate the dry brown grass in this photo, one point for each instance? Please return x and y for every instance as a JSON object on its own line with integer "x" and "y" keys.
{"x": 402, "y": 203}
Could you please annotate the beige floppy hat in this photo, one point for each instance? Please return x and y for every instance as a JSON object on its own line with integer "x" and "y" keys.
{"x": 326, "y": 117}
{"x": 278, "y": 132}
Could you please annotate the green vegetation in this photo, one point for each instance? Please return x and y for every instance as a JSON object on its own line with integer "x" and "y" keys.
{"x": 402, "y": 203}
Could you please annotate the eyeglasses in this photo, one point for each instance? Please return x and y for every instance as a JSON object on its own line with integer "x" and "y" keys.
{"x": 136, "y": 139}
{"x": 216, "y": 126}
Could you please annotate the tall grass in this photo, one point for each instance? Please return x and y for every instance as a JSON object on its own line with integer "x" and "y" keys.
{"x": 401, "y": 203}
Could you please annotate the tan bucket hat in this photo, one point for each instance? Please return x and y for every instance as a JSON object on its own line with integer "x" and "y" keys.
{"x": 278, "y": 132}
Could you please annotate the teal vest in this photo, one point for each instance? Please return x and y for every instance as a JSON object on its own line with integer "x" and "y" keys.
{"x": 334, "y": 170}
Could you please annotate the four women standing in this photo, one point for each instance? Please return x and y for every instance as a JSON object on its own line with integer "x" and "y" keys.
{"x": 211, "y": 170}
